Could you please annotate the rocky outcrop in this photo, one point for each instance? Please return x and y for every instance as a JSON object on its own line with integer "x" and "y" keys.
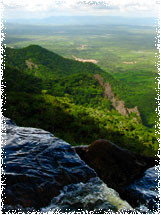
{"x": 40, "y": 169}
{"x": 118, "y": 104}
{"x": 99, "y": 79}
{"x": 37, "y": 165}
{"x": 134, "y": 110}
{"x": 30, "y": 64}
{"x": 116, "y": 166}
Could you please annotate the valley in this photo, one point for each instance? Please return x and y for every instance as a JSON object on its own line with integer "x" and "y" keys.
{"x": 77, "y": 101}
{"x": 80, "y": 115}
{"x": 126, "y": 52}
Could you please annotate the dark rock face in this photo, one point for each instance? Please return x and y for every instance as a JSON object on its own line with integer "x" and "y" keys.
{"x": 146, "y": 190}
{"x": 37, "y": 165}
{"x": 116, "y": 166}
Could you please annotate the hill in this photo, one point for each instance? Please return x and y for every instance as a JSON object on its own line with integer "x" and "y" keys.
{"x": 60, "y": 76}
{"x": 71, "y": 99}
{"x": 126, "y": 52}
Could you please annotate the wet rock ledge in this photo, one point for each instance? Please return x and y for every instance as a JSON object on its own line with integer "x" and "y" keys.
{"x": 37, "y": 166}
{"x": 116, "y": 166}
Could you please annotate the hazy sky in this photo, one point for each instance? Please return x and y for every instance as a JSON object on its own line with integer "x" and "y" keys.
{"x": 15, "y": 9}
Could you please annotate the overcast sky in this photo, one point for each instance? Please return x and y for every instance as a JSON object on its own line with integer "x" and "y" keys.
{"x": 15, "y": 9}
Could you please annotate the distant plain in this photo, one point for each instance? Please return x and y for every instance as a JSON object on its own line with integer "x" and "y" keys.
{"x": 125, "y": 51}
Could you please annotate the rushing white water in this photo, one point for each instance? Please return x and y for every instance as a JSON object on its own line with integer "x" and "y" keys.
{"x": 93, "y": 196}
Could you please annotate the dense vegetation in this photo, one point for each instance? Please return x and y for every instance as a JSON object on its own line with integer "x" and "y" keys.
{"x": 62, "y": 96}
{"x": 59, "y": 76}
{"x": 125, "y": 51}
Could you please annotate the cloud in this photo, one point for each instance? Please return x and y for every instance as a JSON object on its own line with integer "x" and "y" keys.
{"x": 97, "y": 5}
{"x": 78, "y": 6}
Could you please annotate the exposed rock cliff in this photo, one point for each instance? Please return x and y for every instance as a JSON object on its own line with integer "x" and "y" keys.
{"x": 134, "y": 110}
{"x": 118, "y": 104}
{"x": 30, "y": 64}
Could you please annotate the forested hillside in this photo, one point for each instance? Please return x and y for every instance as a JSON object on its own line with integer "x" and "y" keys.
{"x": 127, "y": 52}
{"x": 63, "y": 96}
{"x": 60, "y": 76}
